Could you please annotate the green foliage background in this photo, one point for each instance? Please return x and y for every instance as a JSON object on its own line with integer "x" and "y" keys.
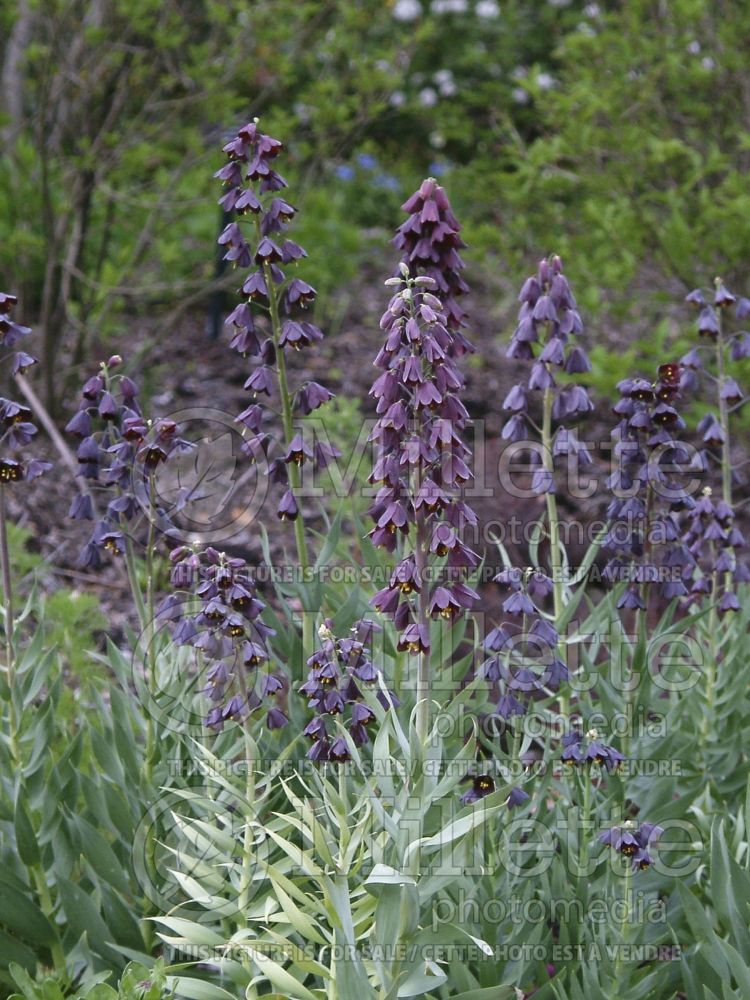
{"x": 613, "y": 133}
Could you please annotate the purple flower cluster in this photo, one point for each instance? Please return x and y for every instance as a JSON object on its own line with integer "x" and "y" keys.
{"x": 717, "y": 341}
{"x": 717, "y": 553}
{"x": 548, "y": 319}
{"x": 711, "y": 319}
{"x": 119, "y": 452}
{"x": 649, "y": 484}
{"x": 216, "y": 610}
{"x": 16, "y": 424}
{"x": 522, "y": 648}
{"x": 421, "y": 464}
{"x": 430, "y": 241}
{"x": 578, "y": 752}
{"x": 337, "y": 669}
{"x": 713, "y": 539}
{"x": 249, "y": 177}
{"x": 633, "y": 842}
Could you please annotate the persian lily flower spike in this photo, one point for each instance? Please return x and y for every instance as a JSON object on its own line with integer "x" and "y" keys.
{"x": 119, "y": 453}
{"x": 548, "y": 323}
{"x": 421, "y": 458}
{"x": 720, "y": 347}
{"x": 650, "y": 485}
{"x": 272, "y": 289}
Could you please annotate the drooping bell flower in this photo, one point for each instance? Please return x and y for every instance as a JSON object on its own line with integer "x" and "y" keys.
{"x": 633, "y": 842}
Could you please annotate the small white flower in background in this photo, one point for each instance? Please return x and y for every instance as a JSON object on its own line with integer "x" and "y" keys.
{"x": 302, "y": 111}
{"x": 545, "y": 81}
{"x": 520, "y": 73}
{"x": 592, "y": 10}
{"x": 559, "y": 3}
{"x": 519, "y": 95}
{"x": 397, "y": 98}
{"x": 487, "y": 9}
{"x": 708, "y": 63}
{"x": 428, "y": 97}
{"x": 407, "y": 10}
{"x": 446, "y": 84}
{"x": 437, "y": 140}
{"x": 694, "y": 47}
{"x": 449, "y": 6}
{"x": 584, "y": 28}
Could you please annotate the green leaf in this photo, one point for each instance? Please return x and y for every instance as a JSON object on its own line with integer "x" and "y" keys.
{"x": 279, "y": 977}
{"x": 20, "y": 915}
{"x": 26, "y": 842}
{"x": 101, "y": 857}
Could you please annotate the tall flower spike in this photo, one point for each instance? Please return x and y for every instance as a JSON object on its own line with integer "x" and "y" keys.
{"x": 422, "y": 462}
{"x": 216, "y": 610}
{"x": 649, "y": 486}
{"x": 720, "y": 346}
{"x": 269, "y": 289}
{"x": 548, "y": 322}
{"x": 16, "y": 426}
{"x": 119, "y": 451}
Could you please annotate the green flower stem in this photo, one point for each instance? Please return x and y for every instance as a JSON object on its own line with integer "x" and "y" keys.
{"x": 132, "y": 570}
{"x": 713, "y": 658}
{"x": 35, "y": 871}
{"x": 726, "y": 458}
{"x": 558, "y": 595}
{"x": 151, "y": 627}
{"x": 303, "y": 556}
{"x": 246, "y": 879}
{"x": 517, "y": 740}
{"x": 583, "y": 847}
{"x": 424, "y": 679}
{"x": 45, "y": 900}
{"x": 10, "y": 665}
{"x": 623, "y": 935}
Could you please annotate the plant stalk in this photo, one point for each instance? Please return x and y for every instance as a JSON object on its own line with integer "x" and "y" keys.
{"x": 558, "y": 590}
{"x": 423, "y": 693}
{"x": 295, "y": 482}
{"x": 726, "y": 458}
{"x": 246, "y": 879}
{"x": 10, "y": 664}
{"x": 151, "y": 628}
